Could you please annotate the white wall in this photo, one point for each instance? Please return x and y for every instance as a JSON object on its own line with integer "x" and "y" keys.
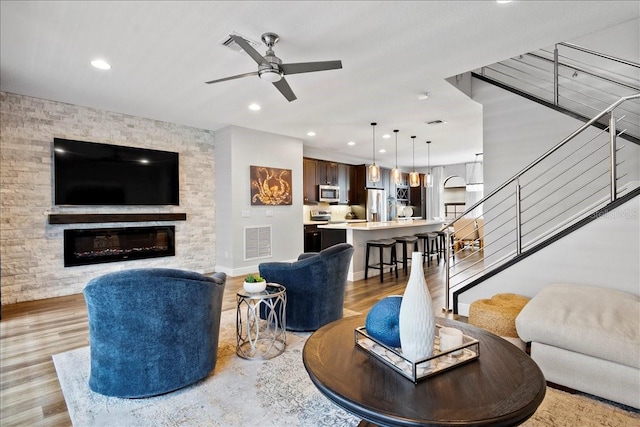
{"x": 237, "y": 149}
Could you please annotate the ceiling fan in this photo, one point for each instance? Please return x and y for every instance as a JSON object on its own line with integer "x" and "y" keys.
{"x": 271, "y": 68}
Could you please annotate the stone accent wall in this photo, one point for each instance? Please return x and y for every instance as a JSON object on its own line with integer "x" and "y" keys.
{"x": 31, "y": 250}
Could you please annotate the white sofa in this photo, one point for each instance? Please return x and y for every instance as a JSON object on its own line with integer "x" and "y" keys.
{"x": 586, "y": 338}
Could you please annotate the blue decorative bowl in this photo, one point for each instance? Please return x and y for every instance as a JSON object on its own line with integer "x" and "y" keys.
{"x": 383, "y": 321}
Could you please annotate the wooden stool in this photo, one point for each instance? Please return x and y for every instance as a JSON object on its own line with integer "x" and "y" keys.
{"x": 404, "y": 240}
{"x": 429, "y": 243}
{"x": 381, "y": 244}
{"x": 498, "y": 315}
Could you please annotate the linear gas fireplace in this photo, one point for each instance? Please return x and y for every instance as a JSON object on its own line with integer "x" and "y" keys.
{"x": 98, "y": 245}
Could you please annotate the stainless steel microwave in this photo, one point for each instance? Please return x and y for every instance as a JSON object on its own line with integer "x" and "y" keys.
{"x": 329, "y": 193}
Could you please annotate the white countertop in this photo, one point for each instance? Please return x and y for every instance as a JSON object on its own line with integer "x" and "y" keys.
{"x": 369, "y": 226}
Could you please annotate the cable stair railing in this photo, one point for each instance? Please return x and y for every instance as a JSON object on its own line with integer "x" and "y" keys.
{"x": 573, "y": 79}
{"x": 574, "y": 180}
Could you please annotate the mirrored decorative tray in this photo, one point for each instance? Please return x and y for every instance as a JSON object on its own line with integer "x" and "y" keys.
{"x": 424, "y": 368}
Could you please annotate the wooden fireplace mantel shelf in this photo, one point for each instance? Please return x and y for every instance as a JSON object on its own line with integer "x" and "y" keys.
{"x": 116, "y": 217}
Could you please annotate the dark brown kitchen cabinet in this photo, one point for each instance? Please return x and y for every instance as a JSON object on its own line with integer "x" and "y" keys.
{"x": 327, "y": 173}
{"x": 322, "y": 172}
{"x": 359, "y": 185}
{"x": 345, "y": 172}
{"x": 312, "y": 238}
{"x": 309, "y": 177}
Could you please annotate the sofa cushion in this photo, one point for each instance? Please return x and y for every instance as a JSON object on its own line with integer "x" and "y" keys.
{"x": 602, "y": 323}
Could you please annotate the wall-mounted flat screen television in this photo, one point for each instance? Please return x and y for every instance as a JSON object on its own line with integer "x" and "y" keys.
{"x": 89, "y": 173}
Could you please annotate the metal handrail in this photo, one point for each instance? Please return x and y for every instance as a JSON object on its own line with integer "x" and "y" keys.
{"x": 516, "y": 178}
{"x": 599, "y": 54}
{"x": 548, "y": 153}
{"x": 584, "y": 71}
{"x": 555, "y": 88}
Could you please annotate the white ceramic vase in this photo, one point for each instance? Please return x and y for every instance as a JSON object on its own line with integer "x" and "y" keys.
{"x": 417, "y": 318}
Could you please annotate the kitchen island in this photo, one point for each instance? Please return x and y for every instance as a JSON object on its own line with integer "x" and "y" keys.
{"x": 357, "y": 234}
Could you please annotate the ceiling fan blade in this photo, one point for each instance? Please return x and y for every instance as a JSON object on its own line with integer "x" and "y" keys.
{"x": 253, "y": 73}
{"x": 307, "y": 67}
{"x": 248, "y": 48}
{"x": 285, "y": 89}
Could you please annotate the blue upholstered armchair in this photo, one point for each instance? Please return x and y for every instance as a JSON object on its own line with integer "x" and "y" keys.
{"x": 315, "y": 286}
{"x": 152, "y": 330}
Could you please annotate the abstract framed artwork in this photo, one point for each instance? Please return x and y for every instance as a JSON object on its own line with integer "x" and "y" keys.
{"x": 270, "y": 186}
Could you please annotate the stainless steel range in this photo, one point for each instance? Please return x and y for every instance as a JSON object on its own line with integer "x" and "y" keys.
{"x": 320, "y": 215}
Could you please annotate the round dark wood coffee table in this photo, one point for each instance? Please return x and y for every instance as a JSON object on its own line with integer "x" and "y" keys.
{"x": 503, "y": 387}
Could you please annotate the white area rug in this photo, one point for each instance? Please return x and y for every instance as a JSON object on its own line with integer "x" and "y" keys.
{"x": 239, "y": 392}
{"x": 276, "y": 392}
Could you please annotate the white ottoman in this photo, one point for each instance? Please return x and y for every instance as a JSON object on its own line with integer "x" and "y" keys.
{"x": 586, "y": 338}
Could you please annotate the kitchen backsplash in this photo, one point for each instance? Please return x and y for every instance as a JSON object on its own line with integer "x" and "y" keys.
{"x": 338, "y": 212}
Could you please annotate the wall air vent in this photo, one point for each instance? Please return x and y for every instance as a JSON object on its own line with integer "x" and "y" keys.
{"x": 227, "y": 42}
{"x": 257, "y": 242}
{"x": 436, "y": 122}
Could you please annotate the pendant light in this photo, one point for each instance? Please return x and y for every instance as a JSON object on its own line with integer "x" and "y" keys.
{"x": 414, "y": 178}
{"x": 396, "y": 175}
{"x": 428, "y": 181}
{"x": 476, "y": 185}
{"x": 374, "y": 170}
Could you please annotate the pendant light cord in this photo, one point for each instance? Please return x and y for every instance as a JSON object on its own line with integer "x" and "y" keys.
{"x": 414, "y": 153}
{"x": 374, "y": 142}
{"x": 396, "y": 132}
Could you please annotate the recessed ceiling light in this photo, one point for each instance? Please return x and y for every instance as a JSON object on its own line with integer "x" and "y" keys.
{"x": 101, "y": 64}
{"x": 423, "y": 96}
{"x": 386, "y": 136}
{"x": 382, "y": 150}
{"x": 503, "y": 1}
{"x": 311, "y": 133}
{"x": 145, "y": 161}
{"x": 254, "y": 107}
{"x": 351, "y": 143}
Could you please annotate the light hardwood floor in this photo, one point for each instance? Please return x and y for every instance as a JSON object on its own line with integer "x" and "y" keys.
{"x": 31, "y": 332}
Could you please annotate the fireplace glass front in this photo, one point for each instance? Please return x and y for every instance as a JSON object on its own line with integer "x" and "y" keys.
{"x": 98, "y": 245}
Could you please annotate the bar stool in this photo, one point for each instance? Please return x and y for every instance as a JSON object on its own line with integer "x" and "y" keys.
{"x": 381, "y": 244}
{"x": 429, "y": 243}
{"x": 442, "y": 242}
{"x": 405, "y": 240}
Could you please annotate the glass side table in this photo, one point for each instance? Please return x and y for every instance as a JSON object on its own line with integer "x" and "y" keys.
{"x": 261, "y": 322}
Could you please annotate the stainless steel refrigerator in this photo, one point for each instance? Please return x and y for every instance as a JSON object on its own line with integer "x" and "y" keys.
{"x": 376, "y": 205}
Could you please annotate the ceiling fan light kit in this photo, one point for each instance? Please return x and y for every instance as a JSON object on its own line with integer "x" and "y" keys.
{"x": 269, "y": 74}
{"x": 271, "y": 68}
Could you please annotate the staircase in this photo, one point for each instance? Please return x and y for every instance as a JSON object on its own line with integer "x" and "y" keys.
{"x": 574, "y": 80}
{"x": 580, "y": 179}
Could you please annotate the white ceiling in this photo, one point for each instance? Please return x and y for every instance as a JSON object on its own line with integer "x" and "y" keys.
{"x": 162, "y": 53}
